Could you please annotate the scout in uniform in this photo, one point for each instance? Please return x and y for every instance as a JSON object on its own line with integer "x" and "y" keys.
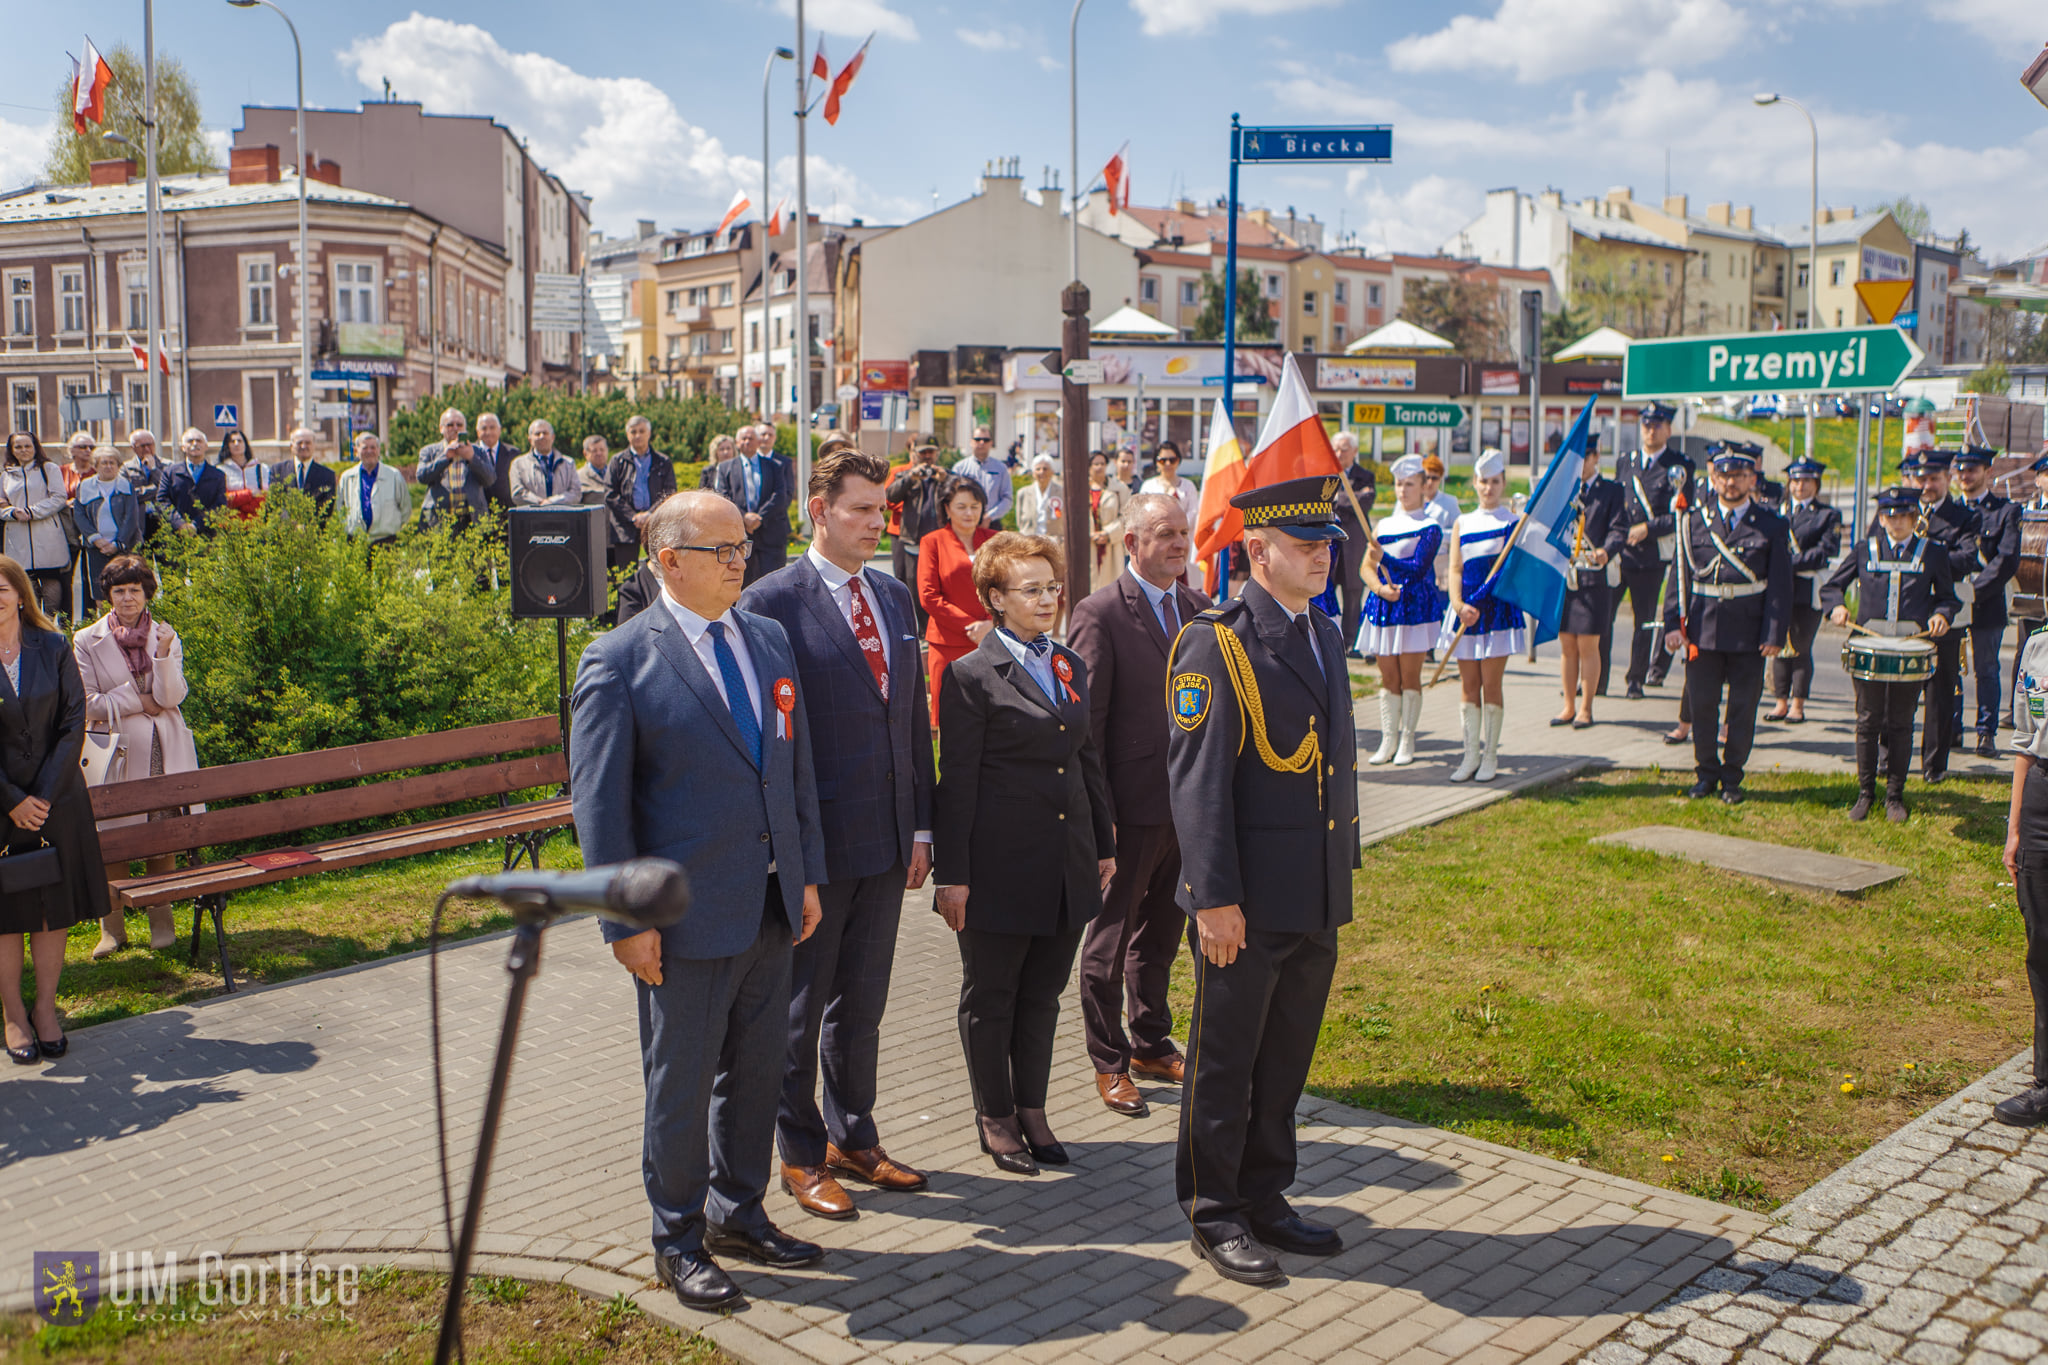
{"x": 1903, "y": 587}
{"x": 1998, "y": 556}
{"x": 1653, "y": 479}
{"x": 1262, "y": 776}
{"x": 1816, "y": 540}
{"x": 1953, "y": 528}
{"x": 1732, "y": 604}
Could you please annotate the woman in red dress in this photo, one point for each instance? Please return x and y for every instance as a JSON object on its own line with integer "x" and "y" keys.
{"x": 945, "y": 581}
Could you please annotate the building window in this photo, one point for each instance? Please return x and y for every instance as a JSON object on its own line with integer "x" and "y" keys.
{"x": 1799, "y": 277}
{"x": 725, "y": 340}
{"x": 1835, "y": 274}
{"x": 135, "y": 297}
{"x": 777, "y": 332}
{"x": 753, "y": 336}
{"x": 138, "y": 402}
{"x": 1273, "y": 286}
{"x": 421, "y": 297}
{"x": 21, "y": 303}
{"x": 1706, "y": 266}
{"x": 1703, "y": 316}
{"x": 1667, "y": 272}
{"x": 1372, "y": 296}
{"x": 1308, "y": 302}
{"x": 1337, "y": 336}
{"x": 24, "y": 402}
{"x": 1148, "y": 289}
{"x": 355, "y": 291}
{"x": 724, "y": 295}
{"x": 1190, "y": 293}
{"x": 70, "y": 302}
{"x": 1838, "y": 317}
{"x": 1341, "y": 293}
{"x": 675, "y": 345}
{"x": 259, "y": 290}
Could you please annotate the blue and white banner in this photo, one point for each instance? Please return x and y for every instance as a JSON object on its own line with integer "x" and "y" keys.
{"x": 1536, "y": 572}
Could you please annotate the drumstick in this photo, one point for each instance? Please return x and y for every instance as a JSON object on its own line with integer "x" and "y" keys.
{"x": 1855, "y": 629}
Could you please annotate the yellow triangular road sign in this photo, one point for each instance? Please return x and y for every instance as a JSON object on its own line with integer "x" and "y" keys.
{"x": 1882, "y": 299}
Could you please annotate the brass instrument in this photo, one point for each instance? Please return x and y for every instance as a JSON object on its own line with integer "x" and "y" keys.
{"x": 1790, "y": 650}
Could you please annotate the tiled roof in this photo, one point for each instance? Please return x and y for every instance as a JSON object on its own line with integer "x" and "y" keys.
{"x": 179, "y": 194}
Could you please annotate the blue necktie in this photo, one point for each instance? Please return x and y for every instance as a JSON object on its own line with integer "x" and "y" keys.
{"x": 736, "y": 692}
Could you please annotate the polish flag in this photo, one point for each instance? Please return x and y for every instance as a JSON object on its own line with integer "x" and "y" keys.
{"x": 1292, "y": 445}
{"x": 89, "y": 81}
{"x": 740, "y": 204}
{"x": 1117, "y": 175}
{"x": 821, "y": 68}
{"x": 775, "y": 222}
{"x": 843, "y": 82}
{"x": 140, "y": 350}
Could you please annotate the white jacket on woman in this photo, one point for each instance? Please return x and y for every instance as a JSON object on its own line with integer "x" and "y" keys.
{"x": 39, "y": 542}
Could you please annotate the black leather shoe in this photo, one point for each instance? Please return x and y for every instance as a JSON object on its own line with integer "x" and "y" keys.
{"x": 1047, "y": 1154}
{"x": 1016, "y": 1163}
{"x": 1733, "y": 797}
{"x": 770, "y": 1247}
{"x": 54, "y": 1050}
{"x": 26, "y": 1056}
{"x": 1296, "y": 1234}
{"x": 1987, "y": 747}
{"x": 1895, "y": 809}
{"x": 1699, "y": 789}
{"x": 1933, "y": 779}
{"x": 1861, "y": 810}
{"x": 1635, "y": 692}
{"x": 2028, "y": 1109}
{"x": 696, "y": 1280}
{"x": 1240, "y": 1259}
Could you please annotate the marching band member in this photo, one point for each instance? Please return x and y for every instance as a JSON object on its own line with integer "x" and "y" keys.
{"x": 1816, "y": 540}
{"x": 1732, "y": 603}
{"x": 1589, "y": 603}
{"x": 1653, "y": 478}
{"x": 1903, "y": 587}
{"x": 1406, "y": 605}
{"x": 1491, "y": 626}
{"x": 1998, "y": 555}
{"x": 1953, "y": 527}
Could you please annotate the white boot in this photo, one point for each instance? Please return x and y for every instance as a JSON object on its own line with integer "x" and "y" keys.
{"x": 1390, "y": 727}
{"x": 1468, "y": 720}
{"x": 1490, "y": 718}
{"x": 1411, "y": 713}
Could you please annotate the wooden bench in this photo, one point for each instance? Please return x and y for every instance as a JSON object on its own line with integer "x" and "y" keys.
{"x": 523, "y": 825}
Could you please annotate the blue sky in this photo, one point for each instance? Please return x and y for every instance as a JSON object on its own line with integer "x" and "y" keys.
{"x": 655, "y": 108}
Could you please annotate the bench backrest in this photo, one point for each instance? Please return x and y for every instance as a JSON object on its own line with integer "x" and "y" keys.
{"x": 232, "y": 781}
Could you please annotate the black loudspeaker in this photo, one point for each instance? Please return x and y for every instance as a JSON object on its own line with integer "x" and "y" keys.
{"x": 558, "y": 562}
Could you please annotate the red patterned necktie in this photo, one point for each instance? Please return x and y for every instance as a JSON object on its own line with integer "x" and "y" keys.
{"x": 869, "y": 638}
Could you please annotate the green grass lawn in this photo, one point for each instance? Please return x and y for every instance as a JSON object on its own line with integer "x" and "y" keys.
{"x": 1834, "y": 443}
{"x": 1666, "y": 1021}
{"x": 287, "y": 929}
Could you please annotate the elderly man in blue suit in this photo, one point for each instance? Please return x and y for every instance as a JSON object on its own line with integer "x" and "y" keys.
{"x": 854, "y": 633}
{"x": 692, "y": 744}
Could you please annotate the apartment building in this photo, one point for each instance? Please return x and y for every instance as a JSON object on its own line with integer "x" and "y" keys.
{"x": 623, "y": 296}
{"x": 1852, "y": 246}
{"x": 699, "y": 282}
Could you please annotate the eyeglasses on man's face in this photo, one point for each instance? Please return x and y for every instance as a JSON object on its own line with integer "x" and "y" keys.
{"x": 983, "y": 440}
{"x": 1037, "y": 592}
{"x": 726, "y": 553}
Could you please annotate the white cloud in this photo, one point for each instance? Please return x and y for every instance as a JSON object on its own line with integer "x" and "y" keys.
{"x": 621, "y": 140}
{"x": 2014, "y": 24}
{"x": 23, "y": 149}
{"x": 1050, "y": 63}
{"x": 1412, "y": 219}
{"x": 1164, "y": 18}
{"x": 1541, "y": 39}
{"x": 853, "y": 18}
{"x": 987, "y": 39}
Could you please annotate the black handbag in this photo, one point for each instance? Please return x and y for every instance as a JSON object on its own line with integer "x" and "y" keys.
{"x": 29, "y": 871}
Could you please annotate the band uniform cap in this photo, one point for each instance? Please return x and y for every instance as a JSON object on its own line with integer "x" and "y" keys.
{"x": 1490, "y": 464}
{"x": 1976, "y": 455}
{"x": 1659, "y": 411}
{"x": 1407, "y": 467}
{"x": 1936, "y": 458}
{"x": 1897, "y": 499}
{"x": 1304, "y": 508}
{"x": 1731, "y": 455}
{"x": 1804, "y": 468}
{"x": 2039, "y": 465}
{"x": 1909, "y": 464}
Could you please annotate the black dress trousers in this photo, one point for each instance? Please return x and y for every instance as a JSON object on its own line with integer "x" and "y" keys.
{"x": 1941, "y": 723}
{"x": 2031, "y": 885}
{"x": 1648, "y": 656}
{"x": 1741, "y": 672}
{"x": 1884, "y": 732}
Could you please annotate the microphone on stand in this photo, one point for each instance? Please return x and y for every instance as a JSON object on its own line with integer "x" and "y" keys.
{"x": 646, "y": 893}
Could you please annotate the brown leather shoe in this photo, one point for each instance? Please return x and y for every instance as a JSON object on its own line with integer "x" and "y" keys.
{"x": 1120, "y": 1095}
{"x": 875, "y": 1167}
{"x": 1172, "y": 1069}
{"x": 815, "y": 1191}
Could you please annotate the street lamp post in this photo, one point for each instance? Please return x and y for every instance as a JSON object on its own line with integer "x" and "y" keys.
{"x": 1074, "y": 301}
{"x": 305, "y": 319}
{"x": 1765, "y": 99}
{"x": 767, "y": 69}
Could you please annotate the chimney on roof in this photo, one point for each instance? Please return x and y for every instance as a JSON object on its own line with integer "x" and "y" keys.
{"x": 113, "y": 172}
{"x": 646, "y": 228}
{"x": 1674, "y": 204}
{"x": 252, "y": 165}
{"x": 325, "y": 171}
{"x": 1745, "y": 217}
{"x": 1184, "y": 206}
{"x": 1263, "y": 217}
{"x": 1831, "y": 214}
{"x": 1719, "y": 213}
{"x": 1622, "y": 194}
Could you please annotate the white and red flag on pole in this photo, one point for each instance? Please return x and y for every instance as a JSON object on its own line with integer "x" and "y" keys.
{"x": 843, "y": 82}
{"x": 1117, "y": 175}
{"x": 820, "y": 67}
{"x": 89, "y": 81}
{"x": 740, "y": 204}
{"x": 1293, "y": 445}
{"x": 775, "y": 220}
{"x": 140, "y": 350}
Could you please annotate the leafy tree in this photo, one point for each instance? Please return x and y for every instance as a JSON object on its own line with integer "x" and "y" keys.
{"x": 1564, "y": 327}
{"x": 1463, "y": 311}
{"x": 181, "y": 145}
{"x": 1993, "y": 378}
{"x": 1254, "y": 319}
{"x": 1633, "y": 303}
{"x": 1911, "y": 215}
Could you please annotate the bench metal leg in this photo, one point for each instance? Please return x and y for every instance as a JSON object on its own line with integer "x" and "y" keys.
{"x": 201, "y": 908}
{"x": 525, "y": 846}
{"x": 198, "y": 917}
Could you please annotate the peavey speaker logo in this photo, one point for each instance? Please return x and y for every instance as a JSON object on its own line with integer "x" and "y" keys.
{"x": 547, "y": 540}
{"x": 67, "y": 1286}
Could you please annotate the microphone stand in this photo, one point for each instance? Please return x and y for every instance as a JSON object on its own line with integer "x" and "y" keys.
{"x": 522, "y": 961}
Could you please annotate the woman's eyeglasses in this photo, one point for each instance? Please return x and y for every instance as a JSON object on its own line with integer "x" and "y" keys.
{"x": 1035, "y": 593}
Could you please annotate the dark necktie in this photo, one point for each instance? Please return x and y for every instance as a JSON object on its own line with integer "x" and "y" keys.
{"x": 736, "y": 698}
{"x": 1308, "y": 638}
{"x": 1037, "y": 644}
{"x": 1169, "y": 615}
{"x": 868, "y": 636}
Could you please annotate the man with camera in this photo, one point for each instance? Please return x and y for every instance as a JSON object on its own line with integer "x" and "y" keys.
{"x": 916, "y": 501}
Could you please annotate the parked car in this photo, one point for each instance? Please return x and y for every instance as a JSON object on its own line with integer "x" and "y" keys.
{"x": 1763, "y": 405}
{"x": 1888, "y": 406}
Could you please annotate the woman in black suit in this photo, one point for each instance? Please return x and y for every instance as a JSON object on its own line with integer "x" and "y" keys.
{"x": 1022, "y": 839}
{"x": 43, "y": 796}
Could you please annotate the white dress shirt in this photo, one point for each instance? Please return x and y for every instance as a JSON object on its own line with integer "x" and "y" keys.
{"x": 836, "y": 579}
{"x": 1164, "y": 606}
{"x": 697, "y": 630}
{"x": 1039, "y": 666}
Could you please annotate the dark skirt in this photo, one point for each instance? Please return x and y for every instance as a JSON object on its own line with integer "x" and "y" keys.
{"x": 1587, "y": 610}
{"x": 81, "y": 893}
{"x": 2034, "y": 810}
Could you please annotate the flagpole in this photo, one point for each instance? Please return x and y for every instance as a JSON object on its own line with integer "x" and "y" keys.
{"x": 800, "y": 342}
{"x": 152, "y": 222}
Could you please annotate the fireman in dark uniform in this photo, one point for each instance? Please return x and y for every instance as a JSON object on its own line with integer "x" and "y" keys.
{"x": 1262, "y": 775}
{"x": 1653, "y": 478}
{"x": 1731, "y": 602}
{"x": 1998, "y": 558}
{"x": 1816, "y": 540}
{"x": 1953, "y": 528}
{"x": 1903, "y": 587}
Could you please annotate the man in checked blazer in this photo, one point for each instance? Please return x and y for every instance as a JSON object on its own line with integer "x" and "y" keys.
{"x": 854, "y": 635}
{"x": 692, "y": 744}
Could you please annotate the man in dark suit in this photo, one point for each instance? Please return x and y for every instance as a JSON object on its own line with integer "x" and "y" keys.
{"x": 1655, "y": 478}
{"x": 1123, "y": 633}
{"x": 692, "y": 744}
{"x": 855, "y": 641}
{"x": 190, "y": 489}
{"x": 1730, "y": 598}
{"x": 1268, "y": 827}
{"x": 500, "y": 453}
{"x": 1357, "y": 535}
{"x": 305, "y": 473}
{"x": 636, "y": 481}
{"x": 1998, "y": 555}
{"x": 756, "y": 483}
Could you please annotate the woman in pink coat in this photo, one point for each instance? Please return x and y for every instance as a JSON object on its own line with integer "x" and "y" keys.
{"x": 134, "y": 672}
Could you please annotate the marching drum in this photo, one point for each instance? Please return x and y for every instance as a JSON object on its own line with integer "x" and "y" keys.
{"x": 1880, "y": 658}
{"x": 2030, "y": 577}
